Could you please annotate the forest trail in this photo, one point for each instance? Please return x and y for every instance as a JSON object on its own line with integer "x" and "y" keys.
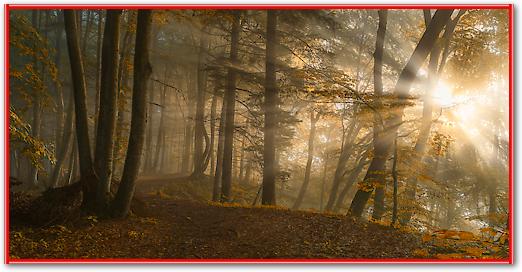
{"x": 176, "y": 228}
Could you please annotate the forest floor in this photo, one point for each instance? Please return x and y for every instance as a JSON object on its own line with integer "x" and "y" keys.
{"x": 175, "y": 227}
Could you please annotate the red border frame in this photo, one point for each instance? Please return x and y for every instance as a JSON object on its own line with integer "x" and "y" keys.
{"x": 9, "y": 7}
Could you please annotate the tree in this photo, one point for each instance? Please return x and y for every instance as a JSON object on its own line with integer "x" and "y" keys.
{"x": 313, "y": 121}
{"x": 435, "y": 67}
{"x": 375, "y": 174}
{"x": 88, "y": 178}
{"x": 230, "y": 100}
{"x": 200, "y": 134}
{"x": 271, "y": 109}
{"x": 105, "y": 133}
{"x": 378, "y": 92}
{"x": 142, "y": 72}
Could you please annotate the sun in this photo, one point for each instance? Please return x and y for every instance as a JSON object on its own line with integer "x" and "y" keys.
{"x": 443, "y": 95}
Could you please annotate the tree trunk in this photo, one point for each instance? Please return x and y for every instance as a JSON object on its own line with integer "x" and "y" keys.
{"x": 219, "y": 154}
{"x": 98, "y": 69}
{"x": 161, "y": 127}
{"x": 308, "y": 169}
{"x": 66, "y": 140}
{"x": 378, "y": 200}
{"x": 375, "y": 173}
{"x": 270, "y": 107}
{"x": 395, "y": 183}
{"x": 142, "y": 72}
{"x": 105, "y": 133}
{"x": 88, "y": 178}
{"x": 150, "y": 129}
{"x": 230, "y": 100}
{"x": 199, "y": 121}
{"x": 213, "y": 108}
{"x": 189, "y": 127}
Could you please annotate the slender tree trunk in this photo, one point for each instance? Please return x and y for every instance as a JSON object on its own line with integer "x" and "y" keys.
{"x": 395, "y": 183}
{"x": 142, "y": 72}
{"x": 67, "y": 137}
{"x": 270, "y": 106}
{"x": 308, "y": 169}
{"x": 213, "y": 108}
{"x": 406, "y": 78}
{"x": 98, "y": 69}
{"x": 150, "y": 129}
{"x": 219, "y": 154}
{"x": 189, "y": 127}
{"x": 161, "y": 127}
{"x": 108, "y": 107}
{"x": 380, "y": 186}
{"x": 88, "y": 178}
{"x": 230, "y": 100}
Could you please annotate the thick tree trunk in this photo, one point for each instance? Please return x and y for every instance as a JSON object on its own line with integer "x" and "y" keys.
{"x": 199, "y": 121}
{"x": 270, "y": 107}
{"x": 142, "y": 72}
{"x": 380, "y": 188}
{"x": 308, "y": 169}
{"x": 88, "y": 178}
{"x": 375, "y": 173}
{"x": 105, "y": 133}
{"x": 230, "y": 100}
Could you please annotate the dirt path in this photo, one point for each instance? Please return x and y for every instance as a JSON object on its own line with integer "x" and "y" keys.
{"x": 174, "y": 228}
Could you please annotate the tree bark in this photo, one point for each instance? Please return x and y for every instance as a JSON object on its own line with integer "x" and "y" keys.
{"x": 308, "y": 169}
{"x": 219, "y": 154}
{"x": 270, "y": 107}
{"x": 142, "y": 72}
{"x": 199, "y": 122}
{"x": 66, "y": 140}
{"x": 213, "y": 108}
{"x": 395, "y": 183}
{"x": 378, "y": 209}
{"x": 375, "y": 173}
{"x": 88, "y": 178}
{"x": 105, "y": 133}
{"x": 230, "y": 100}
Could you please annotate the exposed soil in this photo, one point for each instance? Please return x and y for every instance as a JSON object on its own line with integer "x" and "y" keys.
{"x": 175, "y": 228}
